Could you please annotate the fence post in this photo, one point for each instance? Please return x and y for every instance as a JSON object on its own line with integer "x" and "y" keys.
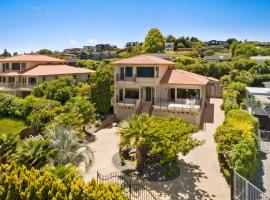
{"x": 247, "y": 196}
{"x": 232, "y": 182}
{"x": 97, "y": 176}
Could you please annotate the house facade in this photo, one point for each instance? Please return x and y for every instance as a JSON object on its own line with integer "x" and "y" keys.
{"x": 150, "y": 84}
{"x": 19, "y": 74}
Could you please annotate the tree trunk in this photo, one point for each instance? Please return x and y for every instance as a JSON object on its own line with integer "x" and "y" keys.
{"x": 139, "y": 158}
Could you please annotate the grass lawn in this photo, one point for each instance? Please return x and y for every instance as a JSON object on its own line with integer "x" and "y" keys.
{"x": 11, "y": 126}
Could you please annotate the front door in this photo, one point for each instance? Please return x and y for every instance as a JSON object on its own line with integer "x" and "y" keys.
{"x": 148, "y": 94}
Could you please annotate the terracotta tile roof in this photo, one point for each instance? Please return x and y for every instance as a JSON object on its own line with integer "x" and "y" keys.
{"x": 143, "y": 60}
{"x": 181, "y": 77}
{"x": 32, "y": 58}
{"x": 43, "y": 70}
{"x": 11, "y": 74}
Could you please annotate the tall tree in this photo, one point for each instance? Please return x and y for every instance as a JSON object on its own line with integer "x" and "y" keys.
{"x": 101, "y": 89}
{"x": 6, "y": 54}
{"x": 154, "y": 41}
{"x": 83, "y": 107}
{"x": 170, "y": 39}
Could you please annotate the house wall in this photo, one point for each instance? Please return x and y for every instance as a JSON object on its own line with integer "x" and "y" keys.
{"x": 123, "y": 113}
{"x": 28, "y": 65}
{"x": 189, "y": 117}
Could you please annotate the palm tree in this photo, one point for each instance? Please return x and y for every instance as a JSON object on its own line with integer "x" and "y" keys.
{"x": 34, "y": 152}
{"x": 64, "y": 172}
{"x": 70, "y": 146}
{"x": 131, "y": 135}
{"x": 8, "y": 145}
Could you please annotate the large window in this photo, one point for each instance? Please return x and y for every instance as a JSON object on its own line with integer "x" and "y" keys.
{"x": 188, "y": 93}
{"x": 132, "y": 94}
{"x": 128, "y": 71}
{"x": 32, "y": 80}
{"x": 15, "y": 66}
{"x": 5, "y": 67}
{"x": 145, "y": 72}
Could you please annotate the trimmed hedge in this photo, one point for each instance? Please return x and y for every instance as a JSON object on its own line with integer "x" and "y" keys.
{"x": 237, "y": 144}
{"x": 19, "y": 183}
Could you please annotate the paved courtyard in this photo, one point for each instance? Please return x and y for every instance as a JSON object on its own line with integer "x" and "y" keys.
{"x": 104, "y": 147}
{"x": 200, "y": 177}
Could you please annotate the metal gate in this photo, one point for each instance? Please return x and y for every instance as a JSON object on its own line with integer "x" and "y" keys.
{"x": 133, "y": 188}
{"x": 242, "y": 189}
{"x": 264, "y": 140}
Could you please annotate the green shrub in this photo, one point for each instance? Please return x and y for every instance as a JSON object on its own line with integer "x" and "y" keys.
{"x": 237, "y": 143}
{"x": 10, "y": 105}
{"x": 259, "y": 79}
{"x": 19, "y": 183}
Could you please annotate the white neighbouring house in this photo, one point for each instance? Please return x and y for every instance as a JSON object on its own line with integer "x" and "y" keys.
{"x": 18, "y": 74}
{"x": 151, "y": 84}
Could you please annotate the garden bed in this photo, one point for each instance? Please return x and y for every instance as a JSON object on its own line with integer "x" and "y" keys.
{"x": 154, "y": 172}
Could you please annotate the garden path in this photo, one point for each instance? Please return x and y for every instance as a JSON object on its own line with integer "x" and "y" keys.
{"x": 104, "y": 147}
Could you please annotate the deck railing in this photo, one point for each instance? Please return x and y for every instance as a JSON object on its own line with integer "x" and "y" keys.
{"x": 178, "y": 104}
{"x": 17, "y": 85}
{"x": 124, "y": 78}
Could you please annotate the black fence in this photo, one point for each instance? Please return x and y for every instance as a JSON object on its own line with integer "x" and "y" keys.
{"x": 242, "y": 189}
{"x": 133, "y": 188}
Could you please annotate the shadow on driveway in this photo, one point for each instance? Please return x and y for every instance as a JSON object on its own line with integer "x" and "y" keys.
{"x": 183, "y": 187}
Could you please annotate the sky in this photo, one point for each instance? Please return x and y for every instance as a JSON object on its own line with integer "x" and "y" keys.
{"x": 30, "y": 25}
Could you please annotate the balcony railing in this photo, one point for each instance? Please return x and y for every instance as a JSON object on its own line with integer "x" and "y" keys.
{"x": 17, "y": 85}
{"x": 183, "y": 105}
{"x": 120, "y": 77}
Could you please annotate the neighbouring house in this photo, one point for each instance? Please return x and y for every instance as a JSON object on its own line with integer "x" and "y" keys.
{"x": 88, "y": 48}
{"x": 73, "y": 51}
{"x": 132, "y": 44}
{"x": 19, "y": 74}
{"x": 217, "y": 59}
{"x": 169, "y": 46}
{"x": 150, "y": 84}
{"x": 258, "y": 104}
{"x": 260, "y": 59}
{"x": 217, "y": 43}
{"x": 104, "y": 47}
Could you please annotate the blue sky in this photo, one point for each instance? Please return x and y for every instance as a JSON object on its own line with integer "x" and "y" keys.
{"x": 28, "y": 25}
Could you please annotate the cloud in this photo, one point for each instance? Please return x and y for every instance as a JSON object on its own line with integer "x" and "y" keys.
{"x": 73, "y": 42}
{"x": 93, "y": 41}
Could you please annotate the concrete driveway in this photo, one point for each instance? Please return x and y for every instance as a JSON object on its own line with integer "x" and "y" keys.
{"x": 204, "y": 158}
{"x": 104, "y": 147}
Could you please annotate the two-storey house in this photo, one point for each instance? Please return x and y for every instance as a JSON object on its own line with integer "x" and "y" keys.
{"x": 19, "y": 74}
{"x": 150, "y": 84}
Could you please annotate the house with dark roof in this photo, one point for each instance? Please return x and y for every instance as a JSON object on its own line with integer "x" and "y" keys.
{"x": 19, "y": 74}
{"x": 150, "y": 84}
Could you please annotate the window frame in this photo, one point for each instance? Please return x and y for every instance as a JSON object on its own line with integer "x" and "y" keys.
{"x": 137, "y": 90}
{"x": 130, "y": 74}
{"x": 13, "y": 65}
{"x": 142, "y": 74}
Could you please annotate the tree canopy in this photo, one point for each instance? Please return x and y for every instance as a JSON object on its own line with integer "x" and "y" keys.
{"x": 154, "y": 41}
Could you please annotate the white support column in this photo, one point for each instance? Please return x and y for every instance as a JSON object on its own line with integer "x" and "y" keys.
{"x": 252, "y": 104}
{"x": 247, "y": 100}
